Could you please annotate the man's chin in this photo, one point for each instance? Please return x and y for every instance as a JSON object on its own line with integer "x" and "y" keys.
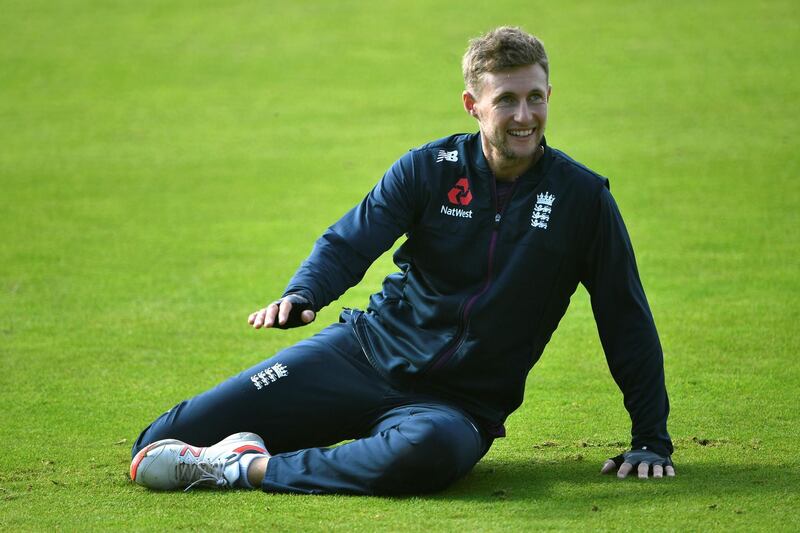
{"x": 519, "y": 155}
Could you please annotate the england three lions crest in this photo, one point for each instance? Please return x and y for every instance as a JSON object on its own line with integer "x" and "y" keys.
{"x": 542, "y": 210}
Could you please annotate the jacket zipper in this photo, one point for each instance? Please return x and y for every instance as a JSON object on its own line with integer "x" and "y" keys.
{"x": 445, "y": 356}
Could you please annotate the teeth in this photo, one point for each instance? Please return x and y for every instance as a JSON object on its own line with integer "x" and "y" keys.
{"x": 520, "y": 133}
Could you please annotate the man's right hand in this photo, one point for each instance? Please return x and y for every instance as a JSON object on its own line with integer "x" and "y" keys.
{"x": 290, "y": 311}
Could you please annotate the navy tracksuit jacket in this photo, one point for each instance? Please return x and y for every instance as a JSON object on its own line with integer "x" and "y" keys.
{"x": 479, "y": 294}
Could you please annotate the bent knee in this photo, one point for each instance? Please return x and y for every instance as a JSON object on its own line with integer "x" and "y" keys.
{"x": 433, "y": 453}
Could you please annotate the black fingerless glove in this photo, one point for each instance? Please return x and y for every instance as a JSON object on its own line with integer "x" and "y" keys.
{"x": 634, "y": 457}
{"x": 299, "y": 304}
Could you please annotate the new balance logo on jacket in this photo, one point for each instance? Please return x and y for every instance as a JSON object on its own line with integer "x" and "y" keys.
{"x": 447, "y": 156}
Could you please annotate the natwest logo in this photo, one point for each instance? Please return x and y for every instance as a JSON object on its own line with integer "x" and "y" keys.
{"x": 460, "y": 193}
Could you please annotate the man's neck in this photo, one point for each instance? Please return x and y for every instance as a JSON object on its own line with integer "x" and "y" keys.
{"x": 505, "y": 169}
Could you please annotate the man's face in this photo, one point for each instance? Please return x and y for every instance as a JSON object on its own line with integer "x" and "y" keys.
{"x": 511, "y": 109}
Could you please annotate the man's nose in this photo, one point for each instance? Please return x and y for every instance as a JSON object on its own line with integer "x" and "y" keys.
{"x": 523, "y": 112}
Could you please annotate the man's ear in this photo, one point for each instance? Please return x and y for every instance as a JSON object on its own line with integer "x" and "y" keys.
{"x": 549, "y": 91}
{"x": 469, "y": 103}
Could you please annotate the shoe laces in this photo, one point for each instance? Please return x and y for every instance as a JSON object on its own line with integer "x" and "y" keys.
{"x": 201, "y": 471}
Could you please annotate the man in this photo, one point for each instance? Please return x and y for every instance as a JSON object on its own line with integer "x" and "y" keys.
{"x": 500, "y": 230}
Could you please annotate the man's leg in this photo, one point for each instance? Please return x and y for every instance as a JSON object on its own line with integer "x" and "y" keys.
{"x": 315, "y": 393}
{"x": 410, "y": 449}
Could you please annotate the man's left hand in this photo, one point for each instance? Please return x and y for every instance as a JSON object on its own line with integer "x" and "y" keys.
{"x": 642, "y": 460}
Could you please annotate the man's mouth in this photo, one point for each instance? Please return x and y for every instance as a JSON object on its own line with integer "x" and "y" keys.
{"x": 521, "y": 133}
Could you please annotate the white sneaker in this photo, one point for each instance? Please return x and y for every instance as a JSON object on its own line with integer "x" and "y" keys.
{"x": 172, "y": 464}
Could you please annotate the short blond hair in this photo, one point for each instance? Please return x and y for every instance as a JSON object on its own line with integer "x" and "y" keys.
{"x": 501, "y": 49}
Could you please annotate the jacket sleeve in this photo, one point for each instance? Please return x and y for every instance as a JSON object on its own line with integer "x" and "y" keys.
{"x": 342, "y": 255}
{"x": 626, "y": 327}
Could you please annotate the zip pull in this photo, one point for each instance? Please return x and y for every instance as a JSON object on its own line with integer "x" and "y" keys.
{"x": 497, "y": 218}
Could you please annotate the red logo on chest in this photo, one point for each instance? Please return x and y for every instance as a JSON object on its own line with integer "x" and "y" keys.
{"x": 460, "y": 193}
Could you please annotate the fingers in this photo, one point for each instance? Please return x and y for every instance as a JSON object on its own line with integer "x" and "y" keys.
{"x": 643, "y": 461}
{"x": 271, "y": 314}
{"x": 257, "y": 319}
{"x": 608, "y": 467}
{"x": 624, "y": 470}
{"x": 658, "y": 471}
{"x": 642, "y": 470}
{"x": 279, "y": 313}
{"x": 283, "y": 313}
{"x": 308, "y": 316}
{"x": 264, "y": 317}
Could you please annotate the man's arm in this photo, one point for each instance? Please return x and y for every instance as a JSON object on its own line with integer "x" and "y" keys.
{"x": 629, "y": 337}
{"x": 342, "y": 255}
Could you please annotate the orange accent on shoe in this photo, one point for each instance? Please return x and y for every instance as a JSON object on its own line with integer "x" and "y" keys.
{"x": 138, "y": 459}
{"x": 250, "y": 448}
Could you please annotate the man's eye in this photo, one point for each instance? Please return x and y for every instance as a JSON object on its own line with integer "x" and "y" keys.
{"x": 535, "y": 98}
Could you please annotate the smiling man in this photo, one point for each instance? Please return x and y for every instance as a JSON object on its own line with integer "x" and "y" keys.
{"x": 501, "y": 228}
{"x": 511, "y": 108}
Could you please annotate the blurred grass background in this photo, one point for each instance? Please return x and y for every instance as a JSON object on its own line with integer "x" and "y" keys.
{"x": 165, "y": 166}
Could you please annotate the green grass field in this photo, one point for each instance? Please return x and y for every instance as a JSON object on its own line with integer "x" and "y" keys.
{"x": 165, "y": 166}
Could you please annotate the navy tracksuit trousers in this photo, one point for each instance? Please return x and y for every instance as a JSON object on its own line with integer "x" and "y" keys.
{"x": 320, "y": 392}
